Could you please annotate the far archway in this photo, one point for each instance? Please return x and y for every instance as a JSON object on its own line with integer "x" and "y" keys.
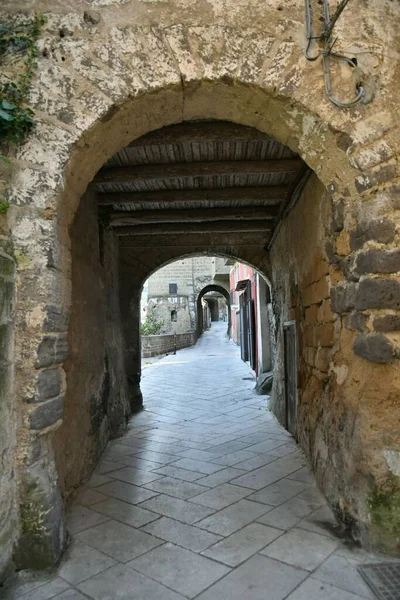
{"x": 212, "y": 288}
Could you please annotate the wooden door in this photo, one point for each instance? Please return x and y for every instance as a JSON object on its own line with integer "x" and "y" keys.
{"x": 244, "y": 351}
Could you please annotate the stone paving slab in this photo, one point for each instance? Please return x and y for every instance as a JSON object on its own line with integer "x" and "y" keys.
{"x": 206, "y": 497}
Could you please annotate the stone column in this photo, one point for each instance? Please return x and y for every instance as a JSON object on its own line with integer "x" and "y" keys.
{"x": 130, "y": 292}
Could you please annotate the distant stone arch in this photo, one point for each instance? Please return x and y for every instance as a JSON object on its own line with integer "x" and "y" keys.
{"x": 212, "y": 288}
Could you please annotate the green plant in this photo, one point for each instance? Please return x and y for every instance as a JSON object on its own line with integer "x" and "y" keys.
{"x": 18, "y": 37}
{"x": 3, "y": 207}
{"x": 151, "y": 326}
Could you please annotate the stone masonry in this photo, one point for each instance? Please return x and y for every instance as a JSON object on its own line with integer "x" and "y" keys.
{"x": 111, "y": 71}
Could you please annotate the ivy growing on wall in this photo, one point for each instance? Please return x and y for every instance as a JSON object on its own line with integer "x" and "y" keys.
{"x": 18, "y": 41}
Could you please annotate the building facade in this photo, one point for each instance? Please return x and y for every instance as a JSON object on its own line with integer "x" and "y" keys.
{"x": 251, "y": 316}
{"x": 172, "y": 292}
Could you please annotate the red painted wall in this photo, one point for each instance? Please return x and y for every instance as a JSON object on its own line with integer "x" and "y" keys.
{"x": 238, "y": 273}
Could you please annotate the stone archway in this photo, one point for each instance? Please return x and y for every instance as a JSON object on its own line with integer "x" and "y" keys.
{"x": 212, "y": 288}
{"x": 181, "y": 73}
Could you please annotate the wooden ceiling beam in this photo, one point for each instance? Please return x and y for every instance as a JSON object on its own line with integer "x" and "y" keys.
{"x": 196, "y": 169}
{"x": 200, "y": 131}
{"x": 190, "y": 228}
{"x": 270, "y": 194}
{"x": 193, "y": 215}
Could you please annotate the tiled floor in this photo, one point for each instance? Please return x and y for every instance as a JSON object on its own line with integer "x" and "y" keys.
{"x": 205, "y": 497}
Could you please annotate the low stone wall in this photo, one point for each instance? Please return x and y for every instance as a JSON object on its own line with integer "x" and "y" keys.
{"x": 152, "y": 345}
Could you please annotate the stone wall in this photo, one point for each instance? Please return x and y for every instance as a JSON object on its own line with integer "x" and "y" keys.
{"x": 8, "y": 512}
{"x": 191, "y": 275}
{"x": 96, "y": 405}
{"x": 336, "y": 405}
{"x": 153, "y": 345}
{"x": 161, "y": 308}
{"x": 107, "y": 76}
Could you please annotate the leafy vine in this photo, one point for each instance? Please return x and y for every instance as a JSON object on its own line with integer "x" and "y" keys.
{"x": 19, "y": 38}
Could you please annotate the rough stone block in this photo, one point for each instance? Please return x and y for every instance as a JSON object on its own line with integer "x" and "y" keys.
{"x": 56, "y": 319}
{"x": 49, "y": 384}
{"x": 322, "y": 359}
{"x": 378, "y": 261}
{"x": 318, "y": 269}
{"x": 356, "y": 321}
{"x": 343, "y": 243}
{"x": 325, "y": 314}
{"x": 61, "y": 349}
{"x": 52, "y": 350}
{"x": 325, "y": 335}
{"x": 47, "y": 413}
{"x": 46, "y": 352}
{"x": 310, "y": 356}
{"x": 373, "y": 156}
{"x": 311, "y": 314}
{"x": 378, "y": 293}
{"x": 374, "y": 347}
{"x": 309, "y": 335}
{"x": 316, "y": 292}
{"x": 371, "y": 179}
{"x": 92, "y": 17}
{"x": 343, "y": 297}
{"x": 379, "y": 230}
{"x": 387, "y": 323}
{"x": 338, "y": 217}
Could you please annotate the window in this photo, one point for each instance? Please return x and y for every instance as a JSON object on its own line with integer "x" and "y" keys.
{"x": 174, "y": 316}
{"x": 173, "y": 288}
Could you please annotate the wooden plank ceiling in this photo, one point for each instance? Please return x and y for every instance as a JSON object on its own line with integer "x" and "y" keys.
{"x": 199, "y": 177}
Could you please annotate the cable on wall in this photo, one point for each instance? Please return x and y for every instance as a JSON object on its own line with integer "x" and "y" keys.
{"x": 327, "y": 51}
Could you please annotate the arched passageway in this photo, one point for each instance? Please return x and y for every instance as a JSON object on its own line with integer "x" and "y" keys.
{"x": 212, "y": 288}
{"x": 79, "y": 288}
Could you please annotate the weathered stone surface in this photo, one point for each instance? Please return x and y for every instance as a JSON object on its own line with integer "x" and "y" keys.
{"x": 378, "y": 293}
{"x": 316, "y": 292}
{"x": 378, "y": 261}
{"x": 322, "y": 359}
{"x": 232, "y": 60}
{"x": 338, "y": 216}
{"x": 92, "y": 17}
{"x": 52, "y": 350}
{"x": 343, "y": 297}
{"x": 43, "y": 533}
{"x": 373, "y": 178}
{"x": 49, "y": 384}
{"x": 47, "y": 413}
{"x": 56, "y": 319}
{"x": 325, "y": 335}
{"x": 325, "y": 314}
{"x": 387, "y": 323}
{"x": 8, "y": 514}
{"x": 379, "y": 230}
{"x": 46, "y": 352}
{"x": 374, "y": 347}
{"x": 372, "y": 156}
{"x": 356, "y": 321}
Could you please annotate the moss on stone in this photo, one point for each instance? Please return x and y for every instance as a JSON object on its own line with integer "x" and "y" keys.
{"x": 22, "y": 259}
{"x": 35, "y": 546}
{"x": 384, "y": 506}
{"x": 6, "y": 246}
{"x": 385, "y": 510}
{"x": 6, "y": 266}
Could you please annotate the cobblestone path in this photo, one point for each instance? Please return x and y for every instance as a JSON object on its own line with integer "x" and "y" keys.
{"x": 205, "y": 497}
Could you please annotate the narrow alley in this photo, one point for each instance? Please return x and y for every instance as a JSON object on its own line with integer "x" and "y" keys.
{"x": 205, "y": 497}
